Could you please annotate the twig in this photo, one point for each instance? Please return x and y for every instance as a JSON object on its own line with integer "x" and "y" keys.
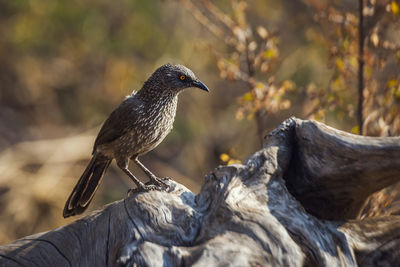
{"x": 360, "y": 66}
{"x": 250, "y": 71}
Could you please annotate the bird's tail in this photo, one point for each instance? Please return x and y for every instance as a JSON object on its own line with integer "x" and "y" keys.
{"x": 84, "y": 190}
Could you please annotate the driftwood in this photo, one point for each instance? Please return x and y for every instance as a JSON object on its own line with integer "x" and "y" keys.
{"x": 293, "y": 203}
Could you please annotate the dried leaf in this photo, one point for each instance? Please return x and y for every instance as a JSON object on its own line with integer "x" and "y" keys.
{"x": 234, "y": 161}
{"x": 240, "y": 34}
{"x": 239, "y": 115}
{"x": 252, "y": 46}
{"x": 396, "y": 93}
{"x": 368, "y": 71}
{"x": 285, "y": 104}
{"x": 248, "y": 96}
{"x": 355, "y": 130}
{"x": 265, "y": 67}
{"x": 224, "y": 157}
{"x": 375, "y": 39}
{"x": 319, "y": 115}
{"x": 395, "y": 8}
{"x": 288, "y": 85}
{"x": 262, "y": 32}
{"x": 339, "y": 63}
{"x": 392, "y": 83}
{"x": 270, "y": 53}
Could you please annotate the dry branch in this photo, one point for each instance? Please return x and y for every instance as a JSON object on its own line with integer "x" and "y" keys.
{"x": 244, "y": 214}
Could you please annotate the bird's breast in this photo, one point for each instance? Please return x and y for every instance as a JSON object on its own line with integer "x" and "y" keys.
{"x": 150, "y": 125}
{"x": 154, "y": 126}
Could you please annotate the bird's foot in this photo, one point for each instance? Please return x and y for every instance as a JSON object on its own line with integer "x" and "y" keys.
{"x": 160, "y": 182}
{"x": 145, "y": 188}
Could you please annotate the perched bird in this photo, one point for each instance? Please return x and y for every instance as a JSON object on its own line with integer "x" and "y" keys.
{"x": 134, "y": 128}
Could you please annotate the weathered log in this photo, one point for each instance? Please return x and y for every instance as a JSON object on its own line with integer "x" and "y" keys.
{"x": 290, "y": 204}
{"x": 332, "y": 172}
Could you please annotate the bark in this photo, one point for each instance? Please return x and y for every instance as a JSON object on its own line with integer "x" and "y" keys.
{"x": 293, "y": 203}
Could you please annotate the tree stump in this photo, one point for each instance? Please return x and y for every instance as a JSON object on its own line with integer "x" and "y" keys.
{"x": 293, "y": 203}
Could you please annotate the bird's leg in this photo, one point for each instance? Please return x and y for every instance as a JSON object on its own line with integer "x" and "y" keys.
{"x": 146, "y": 171}
{"x": 153, "y": 179}
{"x": 123, "y": 164}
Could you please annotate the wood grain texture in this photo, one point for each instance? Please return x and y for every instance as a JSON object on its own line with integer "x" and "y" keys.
{"x": 333, "y": 172}
{"x": 244, "y": 215}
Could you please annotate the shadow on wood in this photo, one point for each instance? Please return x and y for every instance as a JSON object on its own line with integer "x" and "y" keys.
{"x": 244, "y": 214}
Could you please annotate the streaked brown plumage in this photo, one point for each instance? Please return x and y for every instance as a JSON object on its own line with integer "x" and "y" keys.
{"x": 134, "y": 128}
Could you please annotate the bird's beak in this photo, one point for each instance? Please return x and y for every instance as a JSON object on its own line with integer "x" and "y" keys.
{"x": 200, "y": 85}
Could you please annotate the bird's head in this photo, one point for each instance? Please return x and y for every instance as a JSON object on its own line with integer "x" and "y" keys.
{"x": 174, "y": 78}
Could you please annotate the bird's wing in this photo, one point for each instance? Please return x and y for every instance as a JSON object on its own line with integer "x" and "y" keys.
{"x": 120, "y": 121}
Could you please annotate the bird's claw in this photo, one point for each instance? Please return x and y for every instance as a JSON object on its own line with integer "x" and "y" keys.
{"x": 145, "y": 188}
{"x": 156, "y": 183}
{"x": 160, "y": 182}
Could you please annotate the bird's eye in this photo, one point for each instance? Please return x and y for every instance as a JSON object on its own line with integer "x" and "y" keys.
{"x": 182, "y": 77}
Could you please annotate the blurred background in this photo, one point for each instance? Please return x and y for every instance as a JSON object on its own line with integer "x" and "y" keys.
{"x": 66, "y": 64}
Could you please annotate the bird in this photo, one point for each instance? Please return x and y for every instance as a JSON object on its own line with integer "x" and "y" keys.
{"x": 134, "y": 128}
